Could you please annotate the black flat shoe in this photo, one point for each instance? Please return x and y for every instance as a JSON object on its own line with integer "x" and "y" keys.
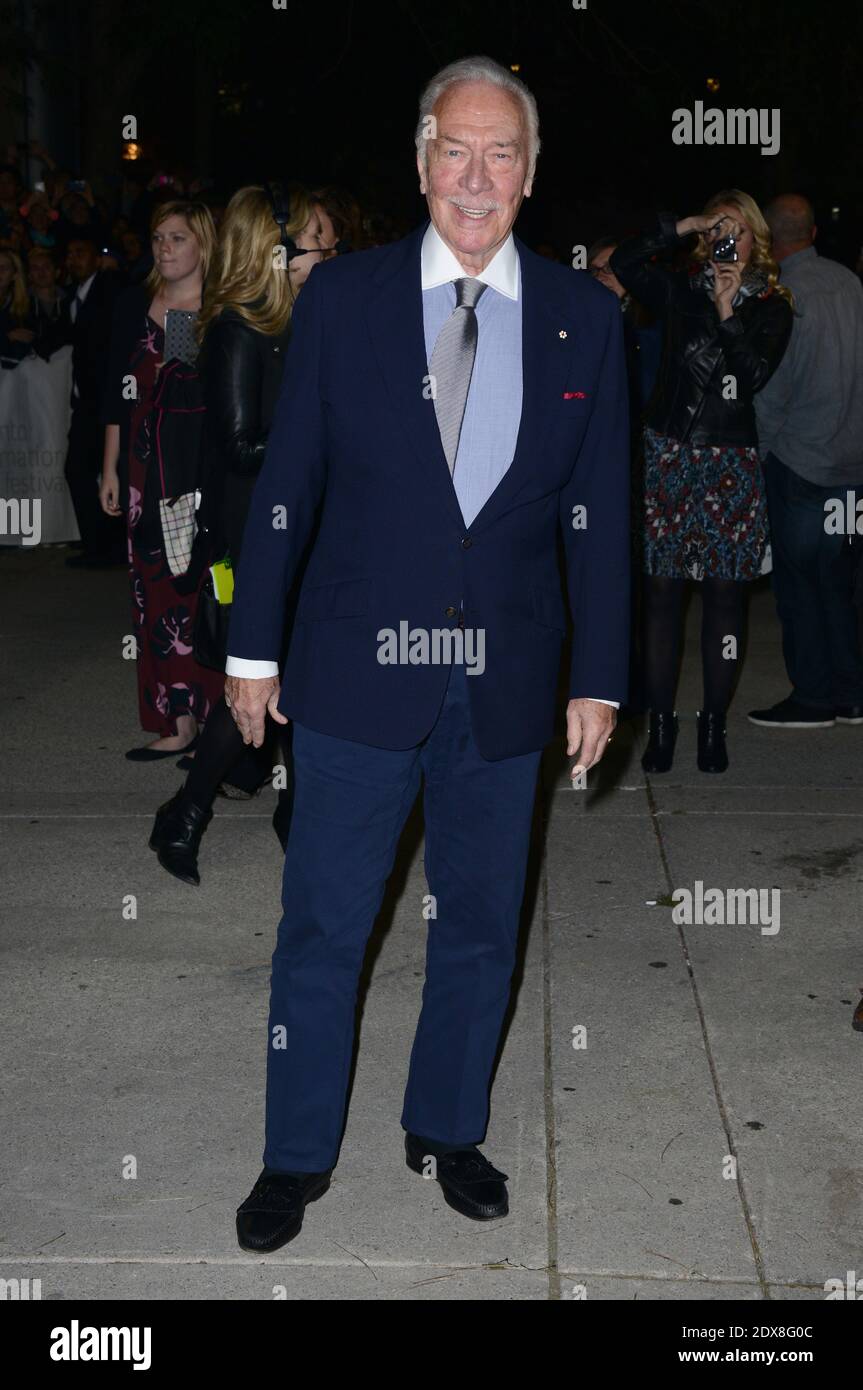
{"x": 712, "y": 753}
{"x": 154, "y": 755}
{"x": 470, "y": 1184}
{"x": 272, "y": 1214}
{"x": 849, "y": 714}
{"x": 790, "y": 714}
{"x": 176, "y": 836}
{"x": 659, "y": 753}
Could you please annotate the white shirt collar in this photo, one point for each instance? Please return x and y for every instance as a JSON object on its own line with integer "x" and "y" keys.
{"x": 84, "y": 288}
{"x": 440, "y": 265}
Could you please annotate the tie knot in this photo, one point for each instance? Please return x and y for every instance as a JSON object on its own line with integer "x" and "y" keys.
{"x": 467, "y": 292}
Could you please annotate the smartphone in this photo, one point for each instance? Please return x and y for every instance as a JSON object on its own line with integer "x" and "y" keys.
{"x": 180, "y": 336}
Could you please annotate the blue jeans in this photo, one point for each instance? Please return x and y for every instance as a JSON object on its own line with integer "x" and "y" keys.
{"x": 350, "y": 805}
{"x": 813, "y": 587}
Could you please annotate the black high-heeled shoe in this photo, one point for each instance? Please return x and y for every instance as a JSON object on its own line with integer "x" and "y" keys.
{"x": 712, "y": 752}
{"x": 176, "y": 836}
{"x": 659, "y": 753}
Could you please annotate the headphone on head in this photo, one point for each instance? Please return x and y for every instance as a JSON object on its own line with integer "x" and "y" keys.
{"x": 280, "y": 203}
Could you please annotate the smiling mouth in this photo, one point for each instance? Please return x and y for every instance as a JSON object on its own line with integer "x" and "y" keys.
{"x": 476, "y": 213}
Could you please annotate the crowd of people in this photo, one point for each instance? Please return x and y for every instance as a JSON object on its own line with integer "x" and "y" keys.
{"x": 744, "y": 352}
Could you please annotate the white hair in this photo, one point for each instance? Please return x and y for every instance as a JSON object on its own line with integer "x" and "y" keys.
{"x": 478, "y": 69}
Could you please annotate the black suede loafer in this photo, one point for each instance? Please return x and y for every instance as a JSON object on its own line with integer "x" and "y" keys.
{"x": 470, "y": 1184}
{"x": 272, "y": 1214}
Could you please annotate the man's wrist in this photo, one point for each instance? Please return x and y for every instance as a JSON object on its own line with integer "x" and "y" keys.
{"x": 247, "y": 669}
{"x": 615, "y": 704}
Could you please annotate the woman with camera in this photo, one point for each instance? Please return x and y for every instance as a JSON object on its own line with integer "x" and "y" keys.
{"x": 268, "y": 245}
{"x": 727, "y": 325}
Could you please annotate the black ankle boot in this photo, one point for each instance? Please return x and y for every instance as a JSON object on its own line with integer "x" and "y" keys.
{"x": 177, "y": 834}
{"x": 659, "y": 753}
{"x": 712, "y": 753}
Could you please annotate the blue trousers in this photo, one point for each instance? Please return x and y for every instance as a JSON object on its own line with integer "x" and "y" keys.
{"x": 350, "y": 805}
{"x": 813, "y": 587}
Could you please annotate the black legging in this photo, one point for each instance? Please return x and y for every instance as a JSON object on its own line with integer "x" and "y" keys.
{"x": 723, "y": 618}
{"x": 221, "y": 750}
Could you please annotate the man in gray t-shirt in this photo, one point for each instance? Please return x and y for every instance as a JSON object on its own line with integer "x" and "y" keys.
{"x": 810, "y": 431}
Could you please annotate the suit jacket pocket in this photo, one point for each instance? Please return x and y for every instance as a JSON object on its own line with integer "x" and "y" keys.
{"x": 548, "y": 608}
{"x": 349, "y": 598}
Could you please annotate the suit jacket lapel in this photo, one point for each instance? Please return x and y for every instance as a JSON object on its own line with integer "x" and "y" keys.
{"x": 395, "y": 321}
{"x": 545, "y": 360}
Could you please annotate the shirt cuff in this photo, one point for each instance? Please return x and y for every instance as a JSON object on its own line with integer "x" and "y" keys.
{"x": 250, "y": 670}
{"x": 615, "y": 704}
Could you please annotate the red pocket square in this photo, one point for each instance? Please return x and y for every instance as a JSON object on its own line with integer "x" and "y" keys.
{"x": 575, "y": 395}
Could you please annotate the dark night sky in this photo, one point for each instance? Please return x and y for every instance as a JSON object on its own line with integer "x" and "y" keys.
{"x": 328, "y": 92}
{"x": 332, "y": 93}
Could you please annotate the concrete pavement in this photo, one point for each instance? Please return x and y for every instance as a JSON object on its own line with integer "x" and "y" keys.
{"x": 677, "y": 1106}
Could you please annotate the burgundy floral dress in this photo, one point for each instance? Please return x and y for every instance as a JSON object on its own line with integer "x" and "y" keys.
{"x": 170, "y": 681}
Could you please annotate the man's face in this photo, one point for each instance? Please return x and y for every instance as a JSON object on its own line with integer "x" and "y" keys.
{"x": 310, "y": 240}
{"x": 601, "y": 270}
{"x": 477, "y": 169}
{"x": 82, "y": 260}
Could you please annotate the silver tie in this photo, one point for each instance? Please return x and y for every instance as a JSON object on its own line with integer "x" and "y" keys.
{"x": 451, "y": 365}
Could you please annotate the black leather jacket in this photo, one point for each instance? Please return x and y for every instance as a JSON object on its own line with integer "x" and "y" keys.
{"x": 242, "y": 374}
{"x": 701, "y": 351}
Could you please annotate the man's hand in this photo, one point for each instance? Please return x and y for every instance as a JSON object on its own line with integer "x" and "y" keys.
{"x": 589, "y": 726}
{"x": 250, "y": 701}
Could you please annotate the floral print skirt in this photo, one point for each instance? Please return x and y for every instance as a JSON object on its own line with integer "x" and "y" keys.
{"x": 705, "y": 510}
{"x": 170, "y": 680}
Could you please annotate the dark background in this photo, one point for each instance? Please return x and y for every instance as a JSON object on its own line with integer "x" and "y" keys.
{"x": 326, "y": 92}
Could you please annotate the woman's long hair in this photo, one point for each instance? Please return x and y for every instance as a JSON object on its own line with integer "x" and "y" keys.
{"x": 19, "y": 299}
{"x": 199, "y": 220}
{"x": 762, "y": 252}
{"x": 248, "y": 276}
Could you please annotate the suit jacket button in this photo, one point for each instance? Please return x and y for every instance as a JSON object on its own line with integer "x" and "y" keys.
{"x": 466, "y": 543}
{"x": 451, "y": 612}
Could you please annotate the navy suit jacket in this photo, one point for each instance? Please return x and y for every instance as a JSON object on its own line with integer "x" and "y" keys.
{"x": 355, "y": 450}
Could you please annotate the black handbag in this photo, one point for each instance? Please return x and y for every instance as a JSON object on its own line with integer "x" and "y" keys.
{"x": 210, "y": 633}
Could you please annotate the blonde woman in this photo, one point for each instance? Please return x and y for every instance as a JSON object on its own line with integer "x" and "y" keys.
{"x": 727, "y": 324}
{"x": 269, "y": 242}
{"x": 175, "y": 693}
{"x": 16, "y": 330}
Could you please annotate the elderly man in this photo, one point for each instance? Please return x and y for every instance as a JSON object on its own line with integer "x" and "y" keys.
{"x": 810, "y": 430}
{"x": 451, "y": 403}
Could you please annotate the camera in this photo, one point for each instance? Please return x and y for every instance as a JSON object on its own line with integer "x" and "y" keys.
{"x": 725, "y": 248}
